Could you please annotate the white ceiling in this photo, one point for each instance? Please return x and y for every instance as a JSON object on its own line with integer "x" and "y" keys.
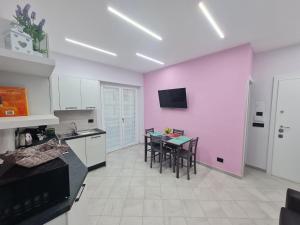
{"x": 266, "y": 24}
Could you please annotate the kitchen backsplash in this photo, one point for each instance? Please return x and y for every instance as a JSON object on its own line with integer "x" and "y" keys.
{"x": 80, "y": 117}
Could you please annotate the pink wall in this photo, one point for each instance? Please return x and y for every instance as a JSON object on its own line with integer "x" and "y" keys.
{"x": 216, "y": 93}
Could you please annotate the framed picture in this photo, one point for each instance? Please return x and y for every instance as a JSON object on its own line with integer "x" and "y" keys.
{"x": 13, "y": 102}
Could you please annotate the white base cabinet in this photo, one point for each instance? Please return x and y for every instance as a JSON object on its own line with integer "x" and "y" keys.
{"x": 95, "y": 149}
{"x": 78, "y": 147}
{"x": 61, "y": 220}
{"x": 78, "y": 215}
{"x": 90, "y": 150}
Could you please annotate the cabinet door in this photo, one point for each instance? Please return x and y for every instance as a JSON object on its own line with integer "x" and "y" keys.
{"x": 90, "y": 92}
{"x": 61, "y": 220}
{"x": 69, "y": 93}
{"x": 78, "y": 147}
{"x": 54, "y": 92}
{"x": 78, "y": 215}
{"x": 95, "y": 149}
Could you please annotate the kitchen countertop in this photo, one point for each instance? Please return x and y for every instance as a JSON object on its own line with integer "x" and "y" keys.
{"x": 81, "y": 134}
{"x": 77, "y": 174}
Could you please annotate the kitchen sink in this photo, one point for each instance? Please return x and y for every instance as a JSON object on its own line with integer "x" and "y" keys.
{"x": 77, "y": 134}
{"x": 87, "y": 132}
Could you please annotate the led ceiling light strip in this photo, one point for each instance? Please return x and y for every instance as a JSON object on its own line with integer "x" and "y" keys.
{"x": 90, "y": 46}
{"x": 211, "y": 20}
{"x": 150, "y": 59}
{"x": 134, "y": 23}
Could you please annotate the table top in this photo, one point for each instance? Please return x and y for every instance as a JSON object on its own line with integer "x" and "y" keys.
{"x": 178, "y": 141}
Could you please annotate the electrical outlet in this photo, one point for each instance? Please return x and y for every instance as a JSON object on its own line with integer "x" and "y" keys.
{"x": 221, "y": 160}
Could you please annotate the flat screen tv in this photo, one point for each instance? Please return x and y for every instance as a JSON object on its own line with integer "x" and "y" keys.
{"x": 172, "y": 98}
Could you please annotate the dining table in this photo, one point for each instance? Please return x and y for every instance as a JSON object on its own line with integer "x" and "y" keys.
{"x": 176, "y": 142}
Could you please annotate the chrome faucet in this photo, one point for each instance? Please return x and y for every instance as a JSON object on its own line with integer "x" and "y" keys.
{"x": 74, "y": 131}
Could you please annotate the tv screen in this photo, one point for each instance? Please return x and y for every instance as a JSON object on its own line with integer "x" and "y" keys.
{"x": 172, "y": 98}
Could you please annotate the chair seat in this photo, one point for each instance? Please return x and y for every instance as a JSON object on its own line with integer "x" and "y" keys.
{"x": 156, "y": 148}
{"x": 185, "y": 153}
{"x": 289, "y": 217}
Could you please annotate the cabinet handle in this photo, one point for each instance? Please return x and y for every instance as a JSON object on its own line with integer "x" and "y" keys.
{"x": 90, "y": 107}
{"x": 93, "y": 137}
{"x": 80, "y": 193}
{"x": 71, "y": 108}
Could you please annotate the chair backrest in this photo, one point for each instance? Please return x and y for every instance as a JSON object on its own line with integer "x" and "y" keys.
{"x": 155, "y": 140}
{"x": 147, "y": 131}
{"x": 193, "y": 145}
{"x": 180, "y": 132}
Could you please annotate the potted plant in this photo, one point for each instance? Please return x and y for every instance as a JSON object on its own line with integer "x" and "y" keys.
{"x": 35, "y": 30}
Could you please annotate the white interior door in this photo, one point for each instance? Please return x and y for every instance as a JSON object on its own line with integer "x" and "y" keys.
{"x": 286, "y": 152}
{"x": 119, "y": 116}
{"x": 129, "y": 116}
{"x": 111, "y": 109}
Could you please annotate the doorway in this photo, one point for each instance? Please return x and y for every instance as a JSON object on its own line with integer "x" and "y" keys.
{"x": 285, "y": 129}
{"x": 119, "y": 116}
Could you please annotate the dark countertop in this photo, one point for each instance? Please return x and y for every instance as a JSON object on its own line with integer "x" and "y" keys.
{"x": 77, "y": 173}
{"x": 81, "y": 135}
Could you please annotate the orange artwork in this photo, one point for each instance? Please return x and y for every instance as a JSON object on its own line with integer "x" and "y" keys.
{"x": 13, "y": 102}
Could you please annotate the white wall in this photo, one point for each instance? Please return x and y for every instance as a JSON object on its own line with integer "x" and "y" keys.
{"x": 76, "y": 67}
{"x": 80, "y": 68}
{"x": 80, "y": 117}
{"x": 38, "y": 90}
{"x": 266, "y": 65}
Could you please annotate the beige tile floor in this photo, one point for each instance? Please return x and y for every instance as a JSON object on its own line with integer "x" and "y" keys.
{"x": 128, "y": 192}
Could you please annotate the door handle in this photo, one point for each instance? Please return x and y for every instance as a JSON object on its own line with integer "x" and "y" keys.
{"x": 93, "y": 137}
{"x": 80, "y": 193}
{"x": 90, "y": 107}
{"x": 71, "y": 107}
{"x": 284, "y": 127}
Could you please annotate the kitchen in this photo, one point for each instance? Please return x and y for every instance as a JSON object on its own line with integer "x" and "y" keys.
{"x": 149, "y": 112}
{"x": 64, "y": 103}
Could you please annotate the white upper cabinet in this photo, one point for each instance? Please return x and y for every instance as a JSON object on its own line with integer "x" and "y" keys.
{"x": 90, "y": 91}
{"x": 69, "y": 93}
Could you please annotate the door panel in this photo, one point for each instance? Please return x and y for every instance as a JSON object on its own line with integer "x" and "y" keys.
{"x": 95, "y": 149}
{"x": 111, "y": 109}
{"x": 129, "y": 116}
{"x": 286, "y": 153}
{"x": 119, "y": 116}
{"x": 69, "y": 92}
{"x": 78, "y": 147}
{"x": 90, "y": 93}
{"x": 78, "y": 215}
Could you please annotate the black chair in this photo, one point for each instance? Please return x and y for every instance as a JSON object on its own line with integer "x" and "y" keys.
{"x": 180, "y": 132}
{"x": 290, "y": 214}
{"x": 171, "y": 147}
{"x": 147, "y": 132}
{"x": 190, "y": 155}
{"x": 157, "y": 147}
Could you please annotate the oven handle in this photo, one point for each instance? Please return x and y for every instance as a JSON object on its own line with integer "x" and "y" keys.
{"x": 80, "y": 193}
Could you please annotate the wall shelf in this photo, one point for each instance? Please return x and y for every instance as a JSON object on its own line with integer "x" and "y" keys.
{"x": 16, "y": 62}
{"x": 27, "y": 121}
